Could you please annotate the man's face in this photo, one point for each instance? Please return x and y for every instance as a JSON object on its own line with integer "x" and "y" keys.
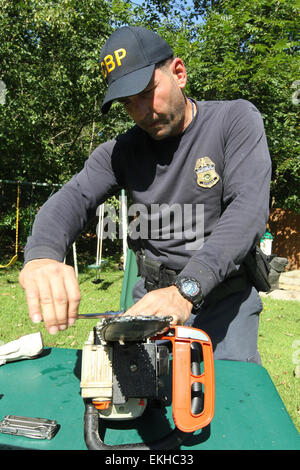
{"x": 161, "y": 108}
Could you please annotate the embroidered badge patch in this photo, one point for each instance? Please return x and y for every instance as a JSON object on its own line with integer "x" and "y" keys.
{"x": 206, "y": 173}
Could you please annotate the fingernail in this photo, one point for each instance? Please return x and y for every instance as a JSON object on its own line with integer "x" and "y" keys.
{"x": 36, "y": 318}
{"x": 62, "y": 327}
{"x": 71, "y": 321}
{"x": 52, "y": 330}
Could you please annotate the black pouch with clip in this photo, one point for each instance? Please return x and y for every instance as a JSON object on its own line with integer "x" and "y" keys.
{"x": 258, "y": 269}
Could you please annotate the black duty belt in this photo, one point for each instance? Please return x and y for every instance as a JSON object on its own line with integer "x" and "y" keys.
{"x": 158, "y": 276}
{"x": 155, "y": 273}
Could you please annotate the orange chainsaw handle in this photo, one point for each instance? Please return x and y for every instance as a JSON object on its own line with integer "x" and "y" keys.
{"x": 182, "y": 337}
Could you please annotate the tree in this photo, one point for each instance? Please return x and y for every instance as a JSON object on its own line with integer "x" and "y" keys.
{"x": 49, "y": 61}
{"x": 50, "y": 118}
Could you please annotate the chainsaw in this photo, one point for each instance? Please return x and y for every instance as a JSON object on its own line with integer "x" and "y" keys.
{"x": 125, "y": 368}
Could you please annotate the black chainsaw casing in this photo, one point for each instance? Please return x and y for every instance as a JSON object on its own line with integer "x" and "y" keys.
{"x": 136, "y": 370}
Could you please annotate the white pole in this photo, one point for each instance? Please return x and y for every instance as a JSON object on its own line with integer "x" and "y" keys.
{"x": 124, "y": 225}
{"x": 100, "y": 234}
{"x": 75, "y": 259}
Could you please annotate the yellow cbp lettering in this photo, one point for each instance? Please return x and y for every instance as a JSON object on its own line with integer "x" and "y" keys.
{"x": 109, "y": 62}
{"x": 103, "y": 68}
{"x": 120, "y": 54}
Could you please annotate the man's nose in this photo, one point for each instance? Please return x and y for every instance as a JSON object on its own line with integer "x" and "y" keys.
{"x": 141, "y": 108}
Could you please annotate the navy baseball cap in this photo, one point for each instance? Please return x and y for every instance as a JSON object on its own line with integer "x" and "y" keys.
{"x": 128, "y": 61}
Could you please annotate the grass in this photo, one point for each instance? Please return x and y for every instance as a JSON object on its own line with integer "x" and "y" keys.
{"x": 14, "y": 320}
{"x": 279, "y": 346}
{"x": 279, "y": 332}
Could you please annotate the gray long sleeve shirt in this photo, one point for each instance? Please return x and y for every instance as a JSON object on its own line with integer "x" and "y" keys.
{"x": 219, "y": 165}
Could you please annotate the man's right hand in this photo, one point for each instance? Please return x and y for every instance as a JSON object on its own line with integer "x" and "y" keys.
{"x": 52, "y": 293}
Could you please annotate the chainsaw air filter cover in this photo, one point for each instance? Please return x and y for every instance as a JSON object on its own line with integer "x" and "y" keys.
{"x": 131, "y": 328}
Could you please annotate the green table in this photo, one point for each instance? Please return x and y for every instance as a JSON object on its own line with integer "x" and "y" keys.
{"x": 249, "y": 413}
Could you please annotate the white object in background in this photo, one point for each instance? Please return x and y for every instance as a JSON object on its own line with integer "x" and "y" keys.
{"x": 26, "y": 347}
{"x": 266, "y": 243}
{"x": 2, "y": 92}
{"x": 124, "y": 225}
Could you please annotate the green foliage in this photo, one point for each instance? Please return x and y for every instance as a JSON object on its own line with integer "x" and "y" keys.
{"x": 49, "y": 55}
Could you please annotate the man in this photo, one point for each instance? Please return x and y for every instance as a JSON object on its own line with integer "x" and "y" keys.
{"x": 211, "y": 156}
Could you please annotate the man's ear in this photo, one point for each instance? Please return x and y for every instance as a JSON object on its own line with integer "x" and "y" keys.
{"x": 179, "y": 73}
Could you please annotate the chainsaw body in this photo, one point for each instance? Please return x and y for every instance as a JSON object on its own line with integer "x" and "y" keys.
{"x": 126, "y": 367}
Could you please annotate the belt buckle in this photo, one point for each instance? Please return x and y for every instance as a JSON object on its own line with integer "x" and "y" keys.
{"x": 149, "y": 285}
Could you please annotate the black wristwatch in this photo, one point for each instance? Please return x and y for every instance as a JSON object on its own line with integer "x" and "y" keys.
{"x": 190, "y": 289}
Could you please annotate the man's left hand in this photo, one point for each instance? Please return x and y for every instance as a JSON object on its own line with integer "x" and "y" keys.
{"x": 163, "y": 302}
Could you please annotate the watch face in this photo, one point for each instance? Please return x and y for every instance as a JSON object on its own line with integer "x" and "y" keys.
{"x": 190, "y": 288}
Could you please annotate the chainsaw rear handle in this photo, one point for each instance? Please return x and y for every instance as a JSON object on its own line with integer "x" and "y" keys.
{"x": 94, "y": 442}
{"x": 186, "y": 374}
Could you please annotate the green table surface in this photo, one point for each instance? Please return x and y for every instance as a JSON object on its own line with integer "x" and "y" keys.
{"x": 249, "y": 414}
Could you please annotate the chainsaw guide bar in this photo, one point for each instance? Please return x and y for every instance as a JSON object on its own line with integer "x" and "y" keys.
{"x": 131, "y": 328}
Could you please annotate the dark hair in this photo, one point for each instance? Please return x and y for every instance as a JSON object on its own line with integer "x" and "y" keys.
{"x": 164, "y": 63}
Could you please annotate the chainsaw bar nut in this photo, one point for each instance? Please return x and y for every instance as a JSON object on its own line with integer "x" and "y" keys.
{"x": 133, "y": 367}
